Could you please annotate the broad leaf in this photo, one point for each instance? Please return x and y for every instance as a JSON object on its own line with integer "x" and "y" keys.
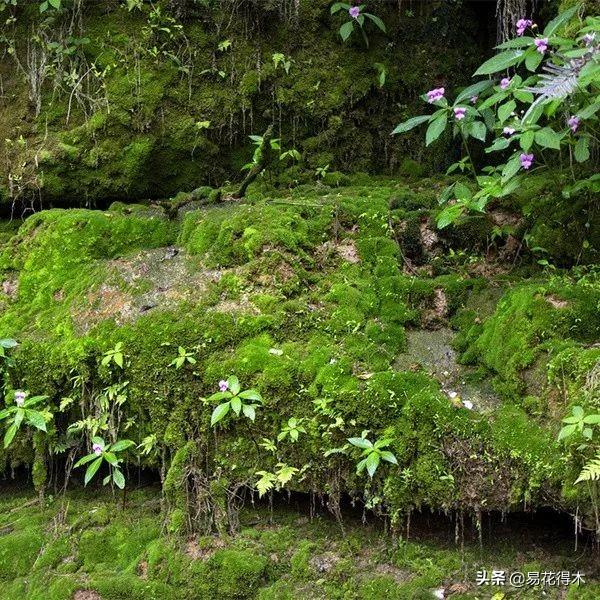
{"x": 122, "y": 445}
{"x": 582, "y": 150}
{"x": 9, "y": 435}
{"x": 548, "y": 138}
{"x": 411, "y": 124}
{"x": 219, "y": 413}
{"x": 249, "y": 411}
{"x": 473, "y": 90}
{"x": 560, "y": 20}
{"x": 91, "y": 470}
{"x": 346, "y": 30}
{"x": 372, "y": 462}
{"x": 118, "y": 478}
{"x": 500, "y": 62}
{"x": 360, "y": 443}
{"x": 435, "y": 129}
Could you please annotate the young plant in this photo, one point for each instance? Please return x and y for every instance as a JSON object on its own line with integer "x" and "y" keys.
{"x": 183, "y": 356}
{"x": 293, "y": 429}
{"x": 277, "y": 480}
{"x": 114, "y": 356}
{"x": 22, "y": 412}
{"x": 578, "y": 422}
{"x": 235, "y": 401}
{"x": 103, "y": 453}
{"x": 357, "y": 17}
{"x": 373, "y": 453}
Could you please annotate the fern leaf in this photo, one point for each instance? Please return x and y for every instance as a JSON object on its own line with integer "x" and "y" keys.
{"x": 591, "y": 471}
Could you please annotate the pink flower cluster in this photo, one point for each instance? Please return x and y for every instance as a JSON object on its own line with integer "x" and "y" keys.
{"x": 505, "y": 83}
{"x": 354, "y": 12}
{"x": 435, "y": 95}
{"x": 522, "y": 25}
{"x": 223, "y": 385}
{"x": 97, "y": 449}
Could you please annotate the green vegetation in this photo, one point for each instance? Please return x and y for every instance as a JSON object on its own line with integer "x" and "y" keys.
{"x": 77, "y": 543}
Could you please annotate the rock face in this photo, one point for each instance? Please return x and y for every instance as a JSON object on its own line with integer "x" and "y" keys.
{"x": 175, "y": 94}
{"x": 311, "y": 304}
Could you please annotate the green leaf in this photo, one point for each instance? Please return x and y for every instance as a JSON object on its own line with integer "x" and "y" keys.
{"x": 511, "y": 168}
{"x": 449, "y": 215}
{"x": 566, "y": 432}
{"x": 462, "y": 192}
{"x": 533, "y": 60}
{"x": 249, "y": 412}
{"x": 91, "y": 470}
{"x": 518, "y": 42}
{"x": 219, "y": 412}
{"x": 500, "y": 62}
{"x": 436, "y": 128}
{"x": 499, "y": 144}
{"x": 592, "y": 419}
{"x": 360, "y": 443}
{"x": 346, "y": 30}
{"x": 118, "y": 358}
{"x": 493, "y": 99}
{"x": 122, "y": 445}
{"x": 588, "y": 111}
{"x": 118, "y": 478}
{"x": 582, "y": 149}
{"x": 372, "y": 462}
{"x": 389, "y": 457}
{"x": 523, "y": 96}
{"x": 478, "y": 130}
{"x": 548, "y": 138}
{"x": 473, "y": 90}
{"x": 411, "y": 124}
{"x": 377, "y": 21}
{"x": 562, "y": 19}
{"x": 111, "y": 458}
{"x": 36, "y": 419}
{"x": 506, "y": 110}
{"x": 236, "y": 405}
{"x": 251, "y": 395}
{"x": 83, "y": 461}
{"x": 9, "y": 435}
{"x": 526, "y": 140}
{"x": 8, "y": 343}
{"x": 54, "y": 3}
{"x": 339, "y": 6}
{"x": 234, "y": 385}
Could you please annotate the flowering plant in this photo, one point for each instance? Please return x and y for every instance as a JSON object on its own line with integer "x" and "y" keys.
{"x": 22, "y": 412}
{"x": 525, "y": 114}
{"x": 358, "y": 15}
{"x": 102, "y": 452}
{"x": 230, "y": 391}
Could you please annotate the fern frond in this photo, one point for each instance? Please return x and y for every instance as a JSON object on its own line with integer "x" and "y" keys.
{"x": 591, "y": 471}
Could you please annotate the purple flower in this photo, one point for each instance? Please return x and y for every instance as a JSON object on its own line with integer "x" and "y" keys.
{"x": 459, "y": 113}
{"x": 505, "y": 83}
{"x": 354, "y": 12}
{"x": 541, "y": 44}
{"x": 573, "y": 123}
{"x": 526, "y": 161}
{"x": 522, "y": 25}
{"x": 223, "y": 385}
{"x": 20, "y": 398}
{"x": 588, "y": 38}
{"x": 474, "y": 99}
{"x": 97, "y": 449}
{"x": 508, "y": 131}
{"x": 435, "y": 95}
